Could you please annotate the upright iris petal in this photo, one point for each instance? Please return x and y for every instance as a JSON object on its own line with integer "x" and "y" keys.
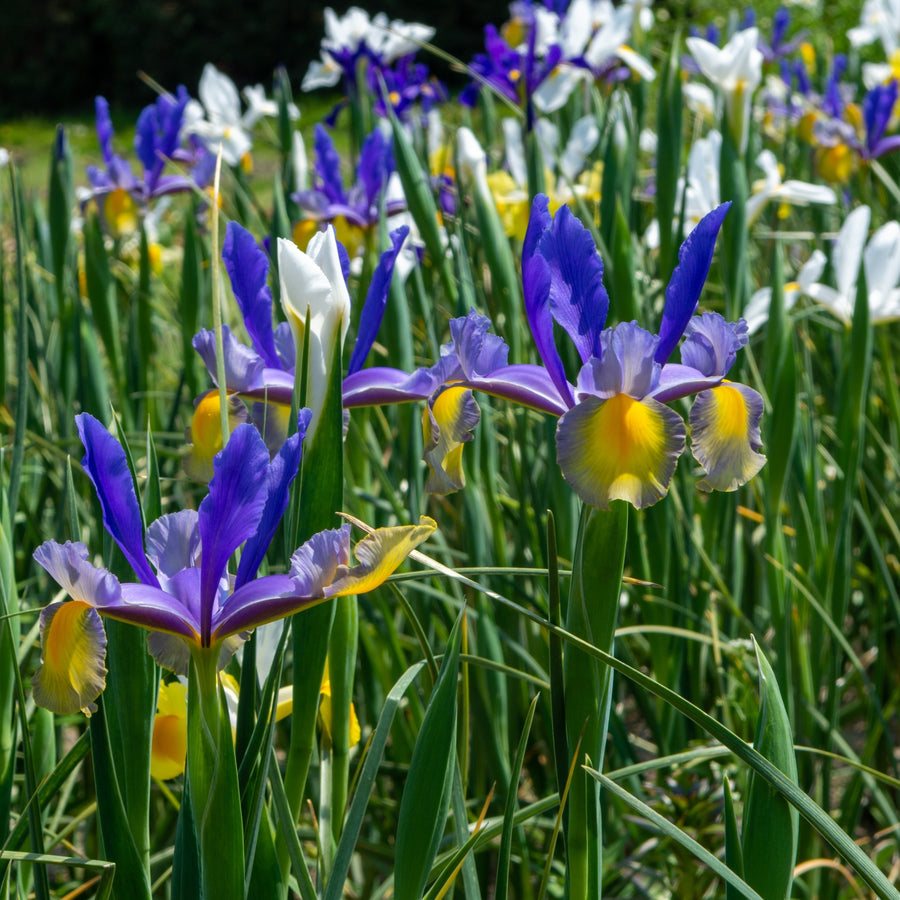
{"x": 107, "y": 467}
{"x": 683, "y": 292}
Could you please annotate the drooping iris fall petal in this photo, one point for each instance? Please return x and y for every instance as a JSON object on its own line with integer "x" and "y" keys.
{"x": 447, "y": 423}
{"x": 73, "y": 651}
{"x": 379, "y": 554}
{"x": 619, "y": 449}
{"x": 725, "y": 437}
{"x": 168, "y": 750}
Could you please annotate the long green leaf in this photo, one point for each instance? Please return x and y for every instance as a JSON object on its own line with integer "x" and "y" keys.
{"x": 769, "y": 832}
{"x": 512, "y": 804}
{"x": 426, "y": 795}
{"x": 676, "y": 834}
{"x": 344, "y": 854}
{"x": 843, "y": 844}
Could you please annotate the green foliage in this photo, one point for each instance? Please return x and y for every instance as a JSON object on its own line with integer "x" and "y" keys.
{"x": 491, "y": 718}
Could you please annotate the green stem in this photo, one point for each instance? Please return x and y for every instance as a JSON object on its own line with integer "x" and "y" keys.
{"x": 213, "y": 782}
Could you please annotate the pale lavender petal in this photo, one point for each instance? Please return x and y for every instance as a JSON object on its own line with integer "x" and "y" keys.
{"x": 677, "y": 381}
{"x": 173, "y": 543}
{"x": 244, "y": 367}
{"x": 479, "y": 353}
{"x": 68, "y": 566}
{"x": 626, "y": 364}
{"x": 711, "y": 343}
{"x": 317, "y": 563}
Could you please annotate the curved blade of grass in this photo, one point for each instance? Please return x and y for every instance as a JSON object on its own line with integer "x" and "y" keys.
{"x": 677, "y": 835}
{"x": 107, "y": 869}
{"x": 512, "y": 803}
{"x": 734, "y": 857}
{"x": 444, "y": 881}
{"x": 808, "y": 808}
{"x": 769, "y": 827}
{"x": 426, "y": 795}
{"x": 353, "y": 824}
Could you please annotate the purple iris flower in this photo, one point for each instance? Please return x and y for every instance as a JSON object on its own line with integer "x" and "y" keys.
{"x": 156, "y": 142}
{"x": 513, "y": 73}
{"x": 616, "y": 438}
{"x": 264, "y": 371}
{"x": 877, "y": 106}
{"x": 185, "y": 594}
{"x": 780, "y": 45}
{"x": 360, "y": 204}
{"x": 401, "y": 86}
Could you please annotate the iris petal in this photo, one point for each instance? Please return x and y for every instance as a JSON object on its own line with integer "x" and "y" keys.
{"x": 106, "y": 465}
{"x": 447, "y": 424}
{"x": 379, "y": 554}
{"x": 619, "y": 449}
{"x": 73, "y": 649}
{"x": 725, "y": 436}
{"x": 169, "y": 748}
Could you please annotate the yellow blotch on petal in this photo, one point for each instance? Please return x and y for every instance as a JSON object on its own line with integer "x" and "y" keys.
{"x": 808, "y": 54}
{"x": 351, "y": 236}
{"x": 155, "y": 255}
{"x": 725, "y": 436}
{"x": 379, "y": 554}
{"x": 619, "y": 449}
{"x": 120, "y": 212}
{"x": 205, "y": 433}
{"x": 835, "y": 164}
{"x": 447, "y": 424}
{"x": 325, "y": 718}
{"x": 303, "y": 231}
{"x": 805, "y": 128}
{"x": 73, "y": 652}
{"x": 512, "y": 204}
{"x": 168, "y": 750}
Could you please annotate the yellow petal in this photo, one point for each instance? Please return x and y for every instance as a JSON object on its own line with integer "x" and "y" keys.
{"x": 379, "y": 554}
{"x": 725, "y": 435}
{"x": 206, "y": 433}
{"x": 169, "y": 747}
{"x": 120, "y": 212}
{"x": 73, "y": 649}
{"x": 619, "y": 449}
{"x": 447, "y": 424}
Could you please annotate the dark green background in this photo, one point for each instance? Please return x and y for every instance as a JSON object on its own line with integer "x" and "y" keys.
{"x": 58, "y": 54}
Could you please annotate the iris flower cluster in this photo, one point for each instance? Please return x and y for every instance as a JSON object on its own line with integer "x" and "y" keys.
{"x": 617, "y": 438}
{"x": 186, "y": 593}
{"x": 263, "y": 373}
{"x": 356, "y": 208}
{"x": 120, "y": 195}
